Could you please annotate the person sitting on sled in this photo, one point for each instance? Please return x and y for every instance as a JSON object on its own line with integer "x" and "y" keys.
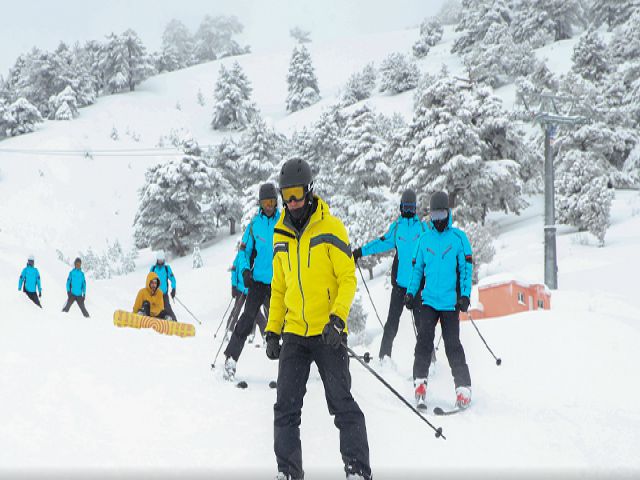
{"x": 149, "y": 301}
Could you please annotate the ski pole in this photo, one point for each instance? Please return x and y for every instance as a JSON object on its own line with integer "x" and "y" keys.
{"x": 498, "y": 360}
{"x": 439, "y": 340}
{"x": 366, "y": 357}
{"x": 185, "y": 307}
{"x": 370, "y": 298}
{"x": 413, "y": 320}
{"x": 438, "y": 430}
{"x": 222, "y": 321}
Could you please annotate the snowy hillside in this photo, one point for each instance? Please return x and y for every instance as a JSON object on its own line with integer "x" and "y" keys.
{"x": 85, "y": 397}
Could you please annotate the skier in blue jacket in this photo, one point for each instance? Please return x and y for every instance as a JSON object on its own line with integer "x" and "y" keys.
{"x": 239, "y": 292}
{"x": 255, "y": 266}
{"x": 403, "y": 235}
{"x": 30, "y": 281}
{"x": 443, "y": 258}
{"x": 76, "y": 288}
{"x": 165, "y": 274}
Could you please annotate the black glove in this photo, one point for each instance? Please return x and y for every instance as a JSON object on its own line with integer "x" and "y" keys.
{"x": 173, "y": 293}
{"x": 463, "y": 303}
{"x": 332, "y": 333}
{"x": 234, "y": 292}
{"x": 408, "y": 301}
{"x": 247, "y": 278}
{"x": 273, "y": 346}
{"x": 357, "y": 254}
{"x": 40, "y": 294}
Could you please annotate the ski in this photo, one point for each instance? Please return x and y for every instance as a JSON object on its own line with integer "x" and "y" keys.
{"x": 440, "y": 412}
{"x": 243, "y": 384}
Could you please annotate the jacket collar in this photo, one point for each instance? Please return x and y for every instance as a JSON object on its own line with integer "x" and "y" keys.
{"x": 321, "y": 211}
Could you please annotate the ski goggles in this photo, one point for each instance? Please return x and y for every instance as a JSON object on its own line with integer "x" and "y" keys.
{"x": 296, "y": 193}
{"x": 268, "y": 203}
{"x": 438, "y": 214}
{"x": 408, "y": 207}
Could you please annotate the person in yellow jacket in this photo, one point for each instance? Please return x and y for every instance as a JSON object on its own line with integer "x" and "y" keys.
{"x": 149, "y": 301}
{"x": 312, "y": 289}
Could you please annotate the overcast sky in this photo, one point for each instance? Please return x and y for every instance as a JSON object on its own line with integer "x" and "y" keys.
{"x": 43, "y": 23}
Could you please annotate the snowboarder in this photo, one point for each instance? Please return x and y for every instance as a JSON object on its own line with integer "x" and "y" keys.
{"x": 30, "y": 281}
{"x": 239, "y": 293}
{"x": 149, "y": 301}
{"x": 403, "y": 235}
{"x": 443, "y": 256}
{"x": 313, "y": 287}
{"x": 257, "y": 244}
{"x": 76, "y": 288}
{"x": 165, "y": 274}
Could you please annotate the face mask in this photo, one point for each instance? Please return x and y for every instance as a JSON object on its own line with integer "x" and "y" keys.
{"x": 300, "y": 213}
{"x": 441, "y": 224}
{"x": 408, "y": 214}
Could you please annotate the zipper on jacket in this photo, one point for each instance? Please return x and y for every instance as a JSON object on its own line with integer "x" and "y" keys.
{"x": 301, "y": 290}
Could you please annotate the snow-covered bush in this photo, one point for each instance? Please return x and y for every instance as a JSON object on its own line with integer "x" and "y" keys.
{"x": 612, "y": 12}
{"x": 481, "y": 238}
{"x": 302, "y": 84}
{"x": 196, "y": 258}
{"x": 64, "y": 105}
{"x": 477, "y": 16}
{"x": 430, "y": 34}
{"x": 233, "y": 108}
{"x": 214, "y": 38}
{"x": 20, "y": 117}
{"x": 450, "y": 12}
{"x": 590, "y": 57}
{"x": 359, "y": 86}
{"x": 357, "y": 322}
{"x": 200, "y": 98}
{"x": 583, "y": 198}
{"x": 112, "y": 262}
{"x": 544, "y": 21}
{"x": 398, "y": 73}
{"x": 625, "y": 44}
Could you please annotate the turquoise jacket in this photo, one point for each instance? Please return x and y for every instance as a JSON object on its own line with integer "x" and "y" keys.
{"x": 165, "y": 274}
{"x": 257, "y": 244}
{"x": 30, "y": 279}
{"x": 76, "y": 283}
{"x": 445, "y": 261}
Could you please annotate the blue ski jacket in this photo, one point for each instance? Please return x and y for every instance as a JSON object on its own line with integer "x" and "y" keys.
{"x": 445, "y": 261}
{"x": 30, "y": 279}
{"x": 76, "y": 283}
{"x": 165, "y": 274}
{"x": 236, "y": 278}
{"x": 403, "y": 235}
{"x": 257, "y": 244}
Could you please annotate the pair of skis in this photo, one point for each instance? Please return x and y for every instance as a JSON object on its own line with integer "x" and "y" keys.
{"x": 439, "y": 411}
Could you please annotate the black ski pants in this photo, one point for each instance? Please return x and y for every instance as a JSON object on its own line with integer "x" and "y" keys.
{"x": 75, "y": 298}
{"x": 146, "y": 310}
{"x": 293, "y": 372}
{"x": 427, "y": 318}
{"x": 33, "y": 296}
{"x": 260, "y": 319}
{"x": 396, "y": 306}
{"x": 167, "y": 307}
{"x": 259, "y": 294}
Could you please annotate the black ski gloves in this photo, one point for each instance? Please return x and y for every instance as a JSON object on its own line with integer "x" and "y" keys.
{"x": 357, "y": 254}
{"x": 173, "y": 293}
{"x": 463, "y": 303}
{"x": 273, "y": 346}
{"x": 333, "y": 331}
{"x": 234, "y": 292}
{"x": 40, "y": 295}
{"x": 408, "y": 301}
{"x": 247, "y": 278}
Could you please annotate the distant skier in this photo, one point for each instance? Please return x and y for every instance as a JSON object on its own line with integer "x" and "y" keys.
{"x": 150, "y": 301}
{"x": 239, "y": 292}
{"x": 165, "y": 274}
{"x": 257, "y": 244}
{"x": 314, "y": 283}
{"x": 30, "y": 281}
{"x": 76, "y": 288}
{"x": 443, "y": 256}
{"x": 403, "y": 235}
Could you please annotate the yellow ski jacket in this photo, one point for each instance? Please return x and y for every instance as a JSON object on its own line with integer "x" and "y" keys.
{"x": 314, "y": 274}
{"x": 155, "y": 300}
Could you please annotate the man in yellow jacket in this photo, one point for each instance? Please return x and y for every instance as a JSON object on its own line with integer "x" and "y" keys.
{"x": 312, "y": 289}
{"x": 149, "y": 301}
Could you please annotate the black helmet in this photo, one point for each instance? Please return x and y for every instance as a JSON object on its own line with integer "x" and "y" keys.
{"x": 439, "y": 201}
{"x": 77, "y": 260}
{"x": 267, "y": 190}
{"x": 295, "y": 172}
{"x": 409, "y": 197}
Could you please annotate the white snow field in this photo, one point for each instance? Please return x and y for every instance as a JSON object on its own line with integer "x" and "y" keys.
{"x": 82, "y": 398}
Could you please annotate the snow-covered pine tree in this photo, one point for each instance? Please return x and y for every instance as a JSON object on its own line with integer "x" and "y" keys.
{"x": 20, "y": 117}
{"x": 196, "y": 258}
{"x": 359, "y": 86}
{"x": 113, "y": 64}
{"x": 200, "y": 98}
{"x": 612, "y": 12}
{"x": 139, "y": 66}
{"x": 590, "y": 57}
{"x": 543, "y": 21}
{"x": 214, "y": 38}
{"x": 224, "y": 158}
{"x": 481, "y": 239}
{"x": 431, "y": 32}
{"x": 497, "y": 59}
{"x": 177, "y": 46}
{"x": 300, "y": 35}
{"x": 398, "y": 73}
{"x": 233, "y": 109}
{"x": 172, "y": 213}
{"x": 357, "y": 322}
{"x": 450, "y": 12}
{"x": 64, "y": 105}
{"x": 625, "y": 45}
{"x": 583, "y": 198}
{"x": 476, "y": 19}
{"x": 261, "y": 148}
{"x": 302, "y": 84}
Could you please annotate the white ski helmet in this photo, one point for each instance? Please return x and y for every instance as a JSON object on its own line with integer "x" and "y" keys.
{"x": 160, "y": 256}
{"x": 31, "y": 258}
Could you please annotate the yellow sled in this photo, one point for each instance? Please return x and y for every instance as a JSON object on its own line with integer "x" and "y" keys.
{"x": 166, "y": 327}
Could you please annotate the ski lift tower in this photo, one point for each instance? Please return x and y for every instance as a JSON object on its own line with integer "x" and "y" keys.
{"x": 550, "y": 111}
